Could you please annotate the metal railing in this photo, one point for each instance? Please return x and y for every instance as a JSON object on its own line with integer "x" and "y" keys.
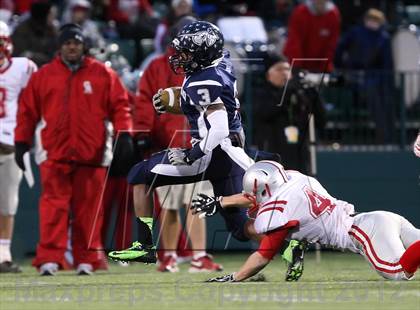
{"x": 367, "y": 109}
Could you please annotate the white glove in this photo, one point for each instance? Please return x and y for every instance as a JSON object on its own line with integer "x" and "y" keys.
{"x": 157, "y": 102}
{"x": 177, "y": 157}
{"x": 416, "y": 146}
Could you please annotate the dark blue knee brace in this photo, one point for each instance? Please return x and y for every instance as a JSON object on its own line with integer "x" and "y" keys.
{"x": 139, "y": 173}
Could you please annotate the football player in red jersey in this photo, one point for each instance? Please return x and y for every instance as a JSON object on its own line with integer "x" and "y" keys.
{"x": 291, "y": 205}
{"x": 15, "y": 73}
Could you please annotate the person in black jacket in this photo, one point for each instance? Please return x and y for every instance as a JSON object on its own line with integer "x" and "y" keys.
{"x": 281, "y": 118}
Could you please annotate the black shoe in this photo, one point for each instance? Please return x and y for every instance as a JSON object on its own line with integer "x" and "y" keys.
{"x": 9, "y": 267}
{"x": 150, "y": 257}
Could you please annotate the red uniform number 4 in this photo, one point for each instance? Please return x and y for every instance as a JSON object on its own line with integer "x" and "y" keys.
{"x": 2, "y": 102}
{"x": 318, "y": 203}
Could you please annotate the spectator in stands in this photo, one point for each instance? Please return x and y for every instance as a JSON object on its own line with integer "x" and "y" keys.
{"x": 78, "y": 12}
{"x": 23, "y": 6}
{"x": 369, "y": 39}
{"x": 168, "y": 131}
{"x": 73, "y": 99}
{"x": 366, "y": 50}
{"x": 179, "y": 8}
{"x": 313, "y": 31}
{"x": 282, "y": 115}
{"x": 274, "y": 13}
{"x": 135, "y": 20}
{"x": 36, "y": 37}
{"x": 6, "y": 10}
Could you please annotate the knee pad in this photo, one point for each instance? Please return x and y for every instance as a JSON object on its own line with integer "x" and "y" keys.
{"x": 138, "y": 174}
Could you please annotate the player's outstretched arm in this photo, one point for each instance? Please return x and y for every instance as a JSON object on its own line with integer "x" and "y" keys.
{"x": 269, "y": 246}
{"x": 254, "y": 264}
{"x": 208, "y": 206}
{"x": 237, "y": 200}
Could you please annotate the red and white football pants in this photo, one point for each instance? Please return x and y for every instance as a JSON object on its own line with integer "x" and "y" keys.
{"x": 70, "y": 190}
{"x": 382, "y": 238}
{"x": 10, "y": 176}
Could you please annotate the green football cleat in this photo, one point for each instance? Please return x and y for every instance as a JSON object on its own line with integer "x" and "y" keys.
{"x": 136, "y": 253}
{"x": 294, "y": 255}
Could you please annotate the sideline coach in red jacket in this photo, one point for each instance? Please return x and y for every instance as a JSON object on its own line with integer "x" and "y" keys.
{"x": 71, "y": 103}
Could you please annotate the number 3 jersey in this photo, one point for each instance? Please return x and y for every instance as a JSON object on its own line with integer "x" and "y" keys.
{"x": 215, "y": 84}
{"x": 13, "y": 78}
{"x": 303, "y": 202}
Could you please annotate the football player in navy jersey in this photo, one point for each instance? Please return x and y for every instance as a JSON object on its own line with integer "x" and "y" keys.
{"x": 208, "y": 100}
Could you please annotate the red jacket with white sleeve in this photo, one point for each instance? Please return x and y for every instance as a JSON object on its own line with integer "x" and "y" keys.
{"x": 71, "y": 112}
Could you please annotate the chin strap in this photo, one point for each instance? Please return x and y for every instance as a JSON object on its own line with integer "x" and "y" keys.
{"x": 5, "y": 63}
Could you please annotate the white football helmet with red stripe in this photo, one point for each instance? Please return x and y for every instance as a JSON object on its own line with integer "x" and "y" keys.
{"x": 6, "y": 46}
{"x": 264, "y": 178}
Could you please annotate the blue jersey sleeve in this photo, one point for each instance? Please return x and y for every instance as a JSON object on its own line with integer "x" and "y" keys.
{"x": 204, "y": 93}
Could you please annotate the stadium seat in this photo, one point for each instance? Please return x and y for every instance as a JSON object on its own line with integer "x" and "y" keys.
{"x": 126, "y": 48}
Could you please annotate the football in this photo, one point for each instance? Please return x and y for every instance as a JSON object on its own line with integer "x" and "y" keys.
{"x": 170, "y": 99}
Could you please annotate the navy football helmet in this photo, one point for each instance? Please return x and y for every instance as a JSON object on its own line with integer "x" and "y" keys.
{"x": 196, "y": 46}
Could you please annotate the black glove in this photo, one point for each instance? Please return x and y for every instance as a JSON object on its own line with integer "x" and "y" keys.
{"x": 206, "y": 205}
{"x": 225, "y": 278}
{"x": 123, "y": 158}
{"x": 20, "y": 149}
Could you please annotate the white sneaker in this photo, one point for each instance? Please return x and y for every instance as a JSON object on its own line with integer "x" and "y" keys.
{"x": 48, "y": 269}
{"x": 84, "y": 270}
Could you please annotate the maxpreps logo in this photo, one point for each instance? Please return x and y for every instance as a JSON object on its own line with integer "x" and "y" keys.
{"x": 87, "y": 88}
{"x": 206, "y": 36}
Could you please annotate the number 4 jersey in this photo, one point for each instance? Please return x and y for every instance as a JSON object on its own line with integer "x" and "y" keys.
{"x": 303, "y": 202}
{"x": 13, "y": 78}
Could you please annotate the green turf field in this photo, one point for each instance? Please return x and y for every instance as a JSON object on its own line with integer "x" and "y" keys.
{"x": 340, "y": 281}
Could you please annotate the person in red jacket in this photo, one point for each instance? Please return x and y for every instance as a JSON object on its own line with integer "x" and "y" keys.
{"x": 313, "y": 31}
{"x": 71, "y": 103}
{"x": 135, "y": 20}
